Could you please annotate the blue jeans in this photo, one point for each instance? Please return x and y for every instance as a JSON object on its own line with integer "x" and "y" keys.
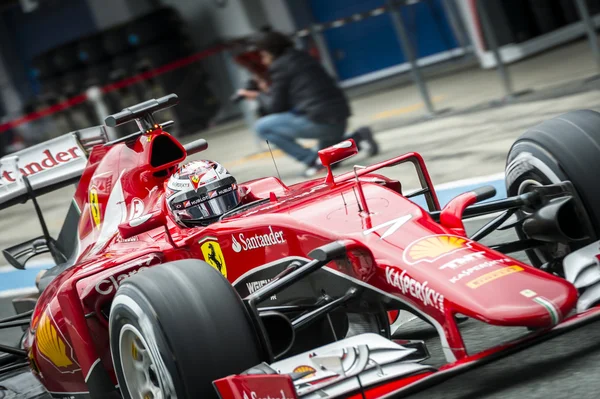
{"x": 284, "y": 128}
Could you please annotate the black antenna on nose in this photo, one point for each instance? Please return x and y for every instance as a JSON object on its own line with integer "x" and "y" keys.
{"x": 273, "y": 158}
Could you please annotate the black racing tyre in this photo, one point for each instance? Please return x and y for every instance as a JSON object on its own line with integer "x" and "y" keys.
{"x": 566, "y": 147}
{"x": 175, "y": 328}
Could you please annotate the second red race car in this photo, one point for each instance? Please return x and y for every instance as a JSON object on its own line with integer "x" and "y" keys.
{"x": 177, "y": 281}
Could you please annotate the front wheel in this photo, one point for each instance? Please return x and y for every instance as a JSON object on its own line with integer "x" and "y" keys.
{"x": 566, "y": 147}
{"x": 176, "y": 328}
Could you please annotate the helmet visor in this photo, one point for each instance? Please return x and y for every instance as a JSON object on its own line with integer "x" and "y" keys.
{"x": 211, "y": 208}
{"x": 207, "y": 203}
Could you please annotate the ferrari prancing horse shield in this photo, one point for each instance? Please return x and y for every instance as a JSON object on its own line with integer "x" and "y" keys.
{"x": 214, "y": 256}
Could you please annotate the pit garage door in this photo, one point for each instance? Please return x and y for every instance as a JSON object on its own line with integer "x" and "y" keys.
{"x": 371, "y": 45}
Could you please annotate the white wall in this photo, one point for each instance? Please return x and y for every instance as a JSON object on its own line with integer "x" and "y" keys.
{"x": 207, "y": 24}
{"x": 300, "y": 11}
{"x": 8, "y": 94}
{"x": 279, "y": 16}
{"x": 108, "y": 13}
{"x": 238, "y": 18}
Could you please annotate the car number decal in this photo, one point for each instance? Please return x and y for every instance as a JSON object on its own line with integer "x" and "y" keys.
{"x": 95, "y": 207}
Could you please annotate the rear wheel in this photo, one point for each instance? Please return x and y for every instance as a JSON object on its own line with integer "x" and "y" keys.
{"x": 566, "y": 147}
{"x": 176, "y": 328}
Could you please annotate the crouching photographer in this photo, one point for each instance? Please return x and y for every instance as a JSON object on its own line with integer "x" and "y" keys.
{"x": 299, "y": 100}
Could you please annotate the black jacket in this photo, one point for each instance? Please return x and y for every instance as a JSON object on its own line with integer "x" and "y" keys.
{"x": 299, "y": 83}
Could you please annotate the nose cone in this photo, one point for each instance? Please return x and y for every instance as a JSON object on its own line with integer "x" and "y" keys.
{"x": 471, "y": 278}
{"x": 515, "y": 295}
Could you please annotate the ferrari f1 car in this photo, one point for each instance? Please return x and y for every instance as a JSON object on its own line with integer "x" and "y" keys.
{"x": 292, "y": 293}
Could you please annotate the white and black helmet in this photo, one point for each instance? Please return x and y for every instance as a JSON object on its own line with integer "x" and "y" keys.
{"x": 200, "y": 192}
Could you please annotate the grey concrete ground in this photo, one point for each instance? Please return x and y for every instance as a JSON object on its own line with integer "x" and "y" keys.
{"x": 564, "y": 367}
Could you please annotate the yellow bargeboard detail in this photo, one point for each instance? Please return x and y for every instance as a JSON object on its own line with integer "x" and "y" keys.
{"x": 50, "y": 344}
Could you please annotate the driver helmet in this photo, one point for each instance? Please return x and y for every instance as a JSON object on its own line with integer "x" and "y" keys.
{"x": 200, "y": 192}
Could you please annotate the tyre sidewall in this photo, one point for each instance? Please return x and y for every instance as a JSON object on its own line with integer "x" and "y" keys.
{"x": 199, "y": 323}
{"x": 528, "y": 160}
{"x": 139, "y": 316}
{"x": 569, "y": 144}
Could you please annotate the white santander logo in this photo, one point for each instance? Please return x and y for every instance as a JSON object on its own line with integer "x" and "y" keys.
{"x": 235, "y": 244}
{"x": 257, "y": 240}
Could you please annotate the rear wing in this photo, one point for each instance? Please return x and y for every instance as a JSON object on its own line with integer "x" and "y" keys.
{"x": 48, "y": 166}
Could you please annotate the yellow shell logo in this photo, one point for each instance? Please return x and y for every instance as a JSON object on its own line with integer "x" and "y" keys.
{"x": 429, "y": 249}
{"x": 51, "y": 345}
{"x": 305, "y": 369}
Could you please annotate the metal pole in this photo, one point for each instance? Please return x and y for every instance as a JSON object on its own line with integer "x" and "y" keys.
{"x": 490, "y": 37}
{"x": 324, "y": 52}
{"x": 409, "y": 52}
{"x": 584, "y": 13}
{"x": 457, "y": 24}
{"x": 94, "y": 96}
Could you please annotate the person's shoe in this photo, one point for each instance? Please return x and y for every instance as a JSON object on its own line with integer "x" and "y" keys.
{"x": 365, "y": 141}
{"x": 314, "y": 169}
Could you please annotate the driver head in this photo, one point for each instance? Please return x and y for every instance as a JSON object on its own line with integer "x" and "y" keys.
{"x": 200, "y": 192}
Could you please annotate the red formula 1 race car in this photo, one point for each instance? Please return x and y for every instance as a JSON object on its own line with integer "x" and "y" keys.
{"x": 291, "y": 293}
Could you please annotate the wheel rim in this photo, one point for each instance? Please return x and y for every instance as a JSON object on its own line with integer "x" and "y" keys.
{"x": 142, "y": 369}
{"x": 527, "y": 184}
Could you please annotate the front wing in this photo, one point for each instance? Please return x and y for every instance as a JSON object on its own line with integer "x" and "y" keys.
{"x": 370, "y": 366}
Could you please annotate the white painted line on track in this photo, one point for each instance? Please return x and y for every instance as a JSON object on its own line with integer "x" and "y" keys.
{"x": 469, "y": 181}
{"x": 18, "y": 292}
{"x": 10, "y": 269}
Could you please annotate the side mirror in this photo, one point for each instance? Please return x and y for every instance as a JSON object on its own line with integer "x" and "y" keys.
{"x": 337, "y": 153}
{"x": 142, "y": 224}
